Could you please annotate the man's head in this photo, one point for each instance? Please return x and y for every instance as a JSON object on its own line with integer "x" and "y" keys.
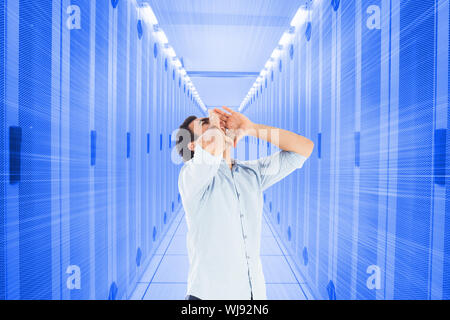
{"x": 189, "y": 131}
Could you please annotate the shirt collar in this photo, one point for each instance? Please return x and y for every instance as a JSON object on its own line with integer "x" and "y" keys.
{"x": 235, "y": 163}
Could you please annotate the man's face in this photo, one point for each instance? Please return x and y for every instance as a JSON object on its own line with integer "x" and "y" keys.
{"x": 199, "y": 126}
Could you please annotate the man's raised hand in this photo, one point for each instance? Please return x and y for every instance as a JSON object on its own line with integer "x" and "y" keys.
{"x": 239, "y": 124}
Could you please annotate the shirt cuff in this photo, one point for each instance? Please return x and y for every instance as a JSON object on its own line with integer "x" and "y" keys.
{"x": 295, "y": 159}
{"x": 202, "y": 156}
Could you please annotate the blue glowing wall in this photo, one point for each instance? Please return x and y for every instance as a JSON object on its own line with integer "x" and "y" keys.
{"x": 88, "y": 187}
{"x": 367, "y": 217}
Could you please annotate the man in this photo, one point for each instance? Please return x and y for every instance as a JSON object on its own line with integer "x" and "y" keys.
{"x": 223, "y": 201}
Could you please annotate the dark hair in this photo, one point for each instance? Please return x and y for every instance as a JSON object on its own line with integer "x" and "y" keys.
{"x": 184, "y": 137}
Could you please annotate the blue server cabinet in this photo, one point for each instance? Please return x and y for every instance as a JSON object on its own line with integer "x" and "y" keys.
{"x": 414, "y": 189}
{"x": 308, "y": 254}
{"x": 367, "y": 140}
{"x": 345, "y": 117}
{"x": 3, "y": 166}
{"x": 303, "y": 106}
{"x": 100, "y": 169}
{"x": 142, "y": 120}
{"x": 78, "y": 145}
{"x": 123, "y": 144}
{"x": 132, "y": 145}
{"x": 34, "y": 243}
{"x": 322, "y": 281}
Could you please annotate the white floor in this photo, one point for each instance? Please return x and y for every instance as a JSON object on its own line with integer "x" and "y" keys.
{"x": 166, "y": 275}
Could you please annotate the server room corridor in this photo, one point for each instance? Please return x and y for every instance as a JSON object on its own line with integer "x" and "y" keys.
{"x": 92, "y": 96}
{"x": 165, "y": 277}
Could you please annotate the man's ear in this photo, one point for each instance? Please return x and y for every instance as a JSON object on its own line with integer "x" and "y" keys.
{"x": 191, "y": 146}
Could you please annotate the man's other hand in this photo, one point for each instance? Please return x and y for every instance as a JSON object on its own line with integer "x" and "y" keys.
{"x": 214, "y": 141}
{"x": 239, "y": 124}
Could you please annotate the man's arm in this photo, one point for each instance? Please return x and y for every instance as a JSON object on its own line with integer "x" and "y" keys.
{"x": 197, "y": 175}
{"x": 214, "y": 141}
{"x": 283, "y": 139}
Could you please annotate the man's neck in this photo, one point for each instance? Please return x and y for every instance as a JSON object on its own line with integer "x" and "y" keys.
{"x": 227, "y": 157}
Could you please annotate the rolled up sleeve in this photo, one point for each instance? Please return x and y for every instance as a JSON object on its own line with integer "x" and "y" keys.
{"x": 277, "y": 166}
{"x": 197, "y": 174}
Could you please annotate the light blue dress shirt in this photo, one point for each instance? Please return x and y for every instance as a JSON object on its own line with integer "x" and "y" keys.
{"x": 223, "y": 210}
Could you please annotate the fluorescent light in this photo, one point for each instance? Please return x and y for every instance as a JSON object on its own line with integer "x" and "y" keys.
{"x": 170, "y": 51}
{"x": 147, "y": 14}
{"x": 269, "y": 64}
{"x": 162, "y": 38}
{"x": 285, "y": 39}
{"x": 276, "y": 54}
{"x": 177, "y": 63}
{"x": 300, "y": 17}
